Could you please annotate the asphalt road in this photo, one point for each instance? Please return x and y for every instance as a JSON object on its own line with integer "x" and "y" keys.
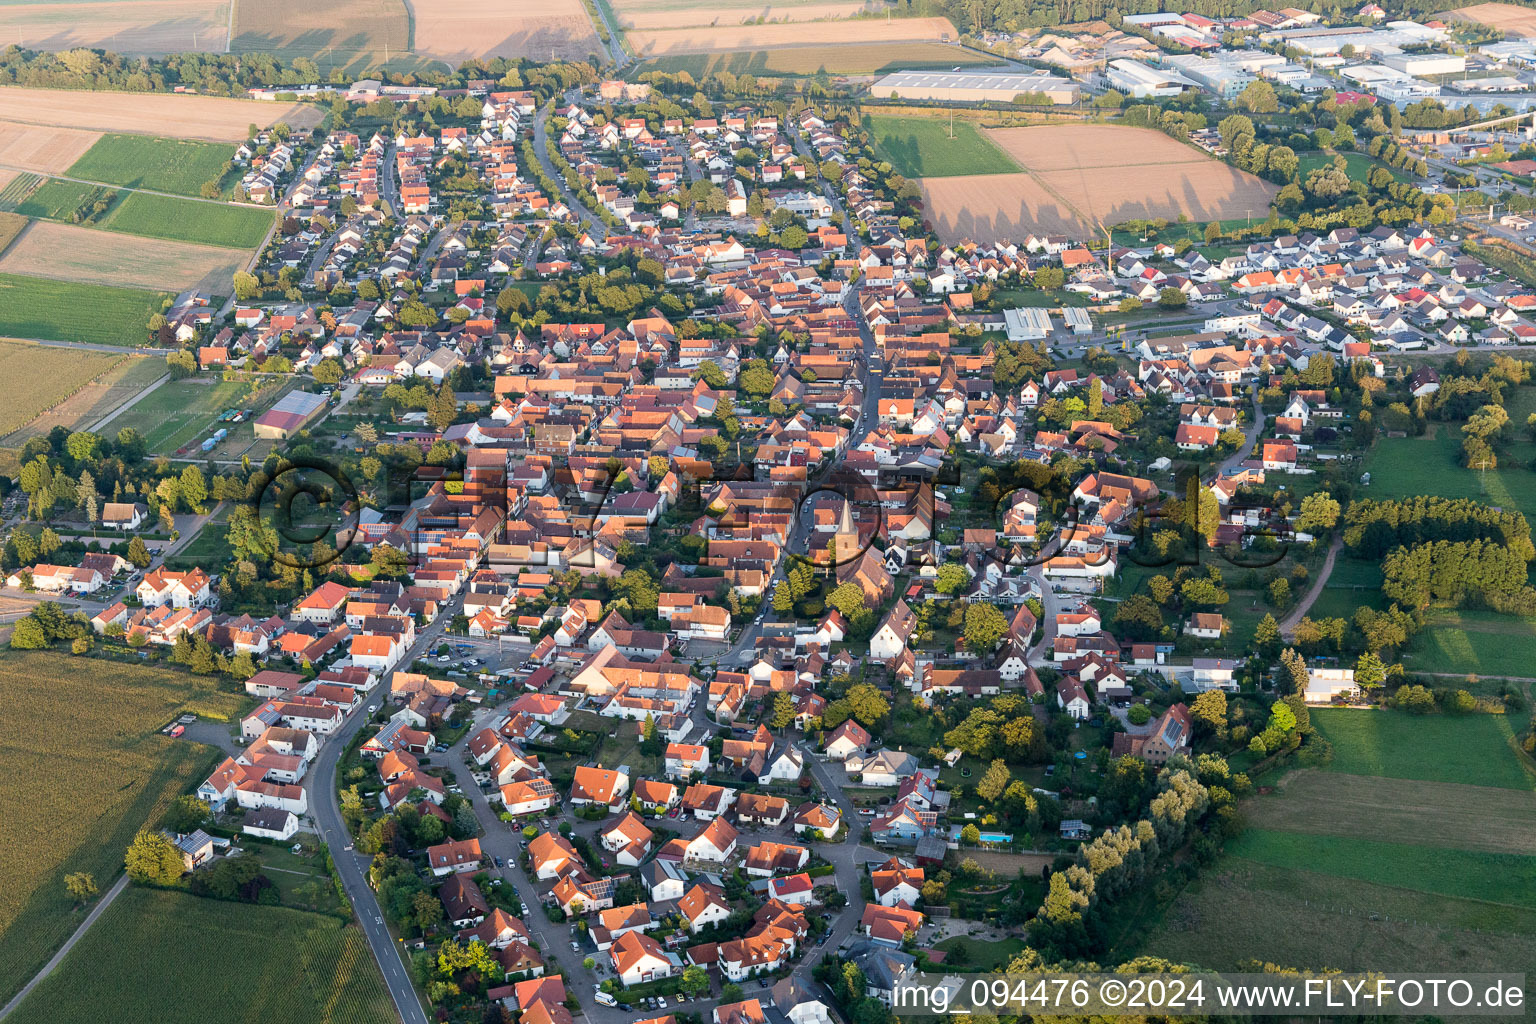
{"x": 325, "y": 807}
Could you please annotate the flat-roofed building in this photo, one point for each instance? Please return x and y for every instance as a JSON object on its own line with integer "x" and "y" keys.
{"x": 975, "y": 86}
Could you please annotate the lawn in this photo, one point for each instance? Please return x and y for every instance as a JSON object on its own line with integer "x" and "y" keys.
{"x": 252, "y": 963}
{"x": 33, "y": 307}
{"x": 1470, "y": 749}
{"x": 208, "y": 550}
{"x": 1485, "y": 643}
{"x": 1468, "y": 874}
{"x": 1404, "y": 467}
{"x": 180, "y": 412}
{"x": 973, "y": 955}
{"x": 936, "y": 147}
{"x": 1359, "y": 165}
{"x": 144, "y": 161}
{"x": 83, "y": 755}
{"x": 183, "y": 220}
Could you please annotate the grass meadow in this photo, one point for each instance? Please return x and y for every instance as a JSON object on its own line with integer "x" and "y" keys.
{"x": 922, "y": 147}
{"x": 1410, "y": 850}
{"x": 145, "y": 161}
{"x": 32, "y": 307}
{"x": 180, "y": 412}
{"x": 84, "y": 756}
{"x": 252, "y": 963}
{"x": 1473, "y": 750}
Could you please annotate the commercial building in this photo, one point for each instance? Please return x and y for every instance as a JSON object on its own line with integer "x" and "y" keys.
{"x": 1142, "y": 81}
{"x": 974, "y": 86}
{"x": 292, "y": 413}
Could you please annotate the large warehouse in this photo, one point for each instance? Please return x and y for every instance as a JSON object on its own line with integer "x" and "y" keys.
{"x": 974, "y": 86}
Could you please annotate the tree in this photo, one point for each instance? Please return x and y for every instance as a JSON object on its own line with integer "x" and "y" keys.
{"x": 952, "y": 578}
{"x": 247, "y": 287}
{"x": 1369, "y": 671}
{"x": 138, "y": 553}
{"x": 153, "y": 858}
{"x": 848, "y": 598}
{"x": 1172, "y": 298}
{"x": 984, "y": 627}
{"x": 28, "y": 635}
{"x": 1049, "y": 278}
{"x": 186, "y": 814}
{"x": 1210, "y": 707}
{"x": 994, "y": 781}
{"x": 756, "y": 378}
{"x": 426, "y": 909}
{"x": 783, "y": 710}
{"x": 81, "y": 885}
{"x": 1139, "y": 714}
{"x": 970, "y": 834}
{"x": 694, "y": 980}
{"x": 194, "y": 489}
{"x": 1279, "y": 593}
{"x": 1293, "y": 669}
{"x": 1267, "y": 632}
{"x": 1319, "y": 513}
{"x": 1259, "y": 98}
{"x": 327, "y": 371}
{"x": 443, "y": 408}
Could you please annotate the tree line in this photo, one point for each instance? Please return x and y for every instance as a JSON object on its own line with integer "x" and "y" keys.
{"x": 1374, "y": 528}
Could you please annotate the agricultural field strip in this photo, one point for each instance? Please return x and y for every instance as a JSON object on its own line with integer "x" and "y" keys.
{"x": 69, "y": 253}
{"x": 211, "y": 118}
{"x": 1444, "y": 814}
{"x": 55, "y": 373}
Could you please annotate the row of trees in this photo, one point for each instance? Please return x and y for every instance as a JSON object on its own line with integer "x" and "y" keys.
{"x": 1373, "y": 528}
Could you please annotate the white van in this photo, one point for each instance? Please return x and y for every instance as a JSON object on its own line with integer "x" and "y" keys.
{"x": 605, "y": 998}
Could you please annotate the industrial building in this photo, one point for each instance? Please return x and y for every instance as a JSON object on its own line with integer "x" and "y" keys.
{"x": 1141, "y": 81}
{"x": 975, "y": 86}
{"x": 1422, "y": 65}
{"x": 1027, "y": 324}
{"x": 289, "y": 415}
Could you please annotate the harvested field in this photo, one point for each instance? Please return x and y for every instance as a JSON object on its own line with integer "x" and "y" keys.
{"x": 83, "y": 754}
{"x": 183, "y": 117}
{"x": 1510, "y": 18}
{"x": 837, "y": 59}
{"x": 65, "y": 252}
{"x": 1432, "y": 813}
{"x": 334, "y": 33}
{"x": 656, "y": 14}
{"x": 92, "y": 402}
{"x": 141, "y": 27}
{"x": 460, "y": 29}
{"x": 52, "y": 375}
{"x": 751, "y": 37}
{"x": 38, "y": 148}
{"x": 1081, "y": 181}
{"x": 11, "y": 225}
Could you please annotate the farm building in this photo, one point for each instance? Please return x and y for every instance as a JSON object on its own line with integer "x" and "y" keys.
{"x": 289, "y": 415}
{"x": 974, "y": 86}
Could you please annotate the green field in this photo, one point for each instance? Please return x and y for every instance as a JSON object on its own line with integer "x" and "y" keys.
{"x": 847, "y": 59}
{"x": 1469, "y": 874}
{"x": 923, "y": 146}
{"x": 32, "y": 307}
{"x": 57, "y": 200}
{"x": 83, "y": 756}
{"x": 182, "y": 220}
{"x": 1403, "y": 467}
{"x": 1242, "y": 910}
{"x": 1471, "y": 749}
{"x": 1359, "y": 165}
{"x": 180, "y": 412}
{"x": 163, "y": 165}
{"x": 173, "y": 958}
{"x": 1410, "y": 849}
{"x": 1480, "y": 642}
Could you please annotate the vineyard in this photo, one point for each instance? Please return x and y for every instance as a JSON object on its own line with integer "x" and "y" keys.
{"x": 252, "y": 963}
{"x": 83, "y": 755}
